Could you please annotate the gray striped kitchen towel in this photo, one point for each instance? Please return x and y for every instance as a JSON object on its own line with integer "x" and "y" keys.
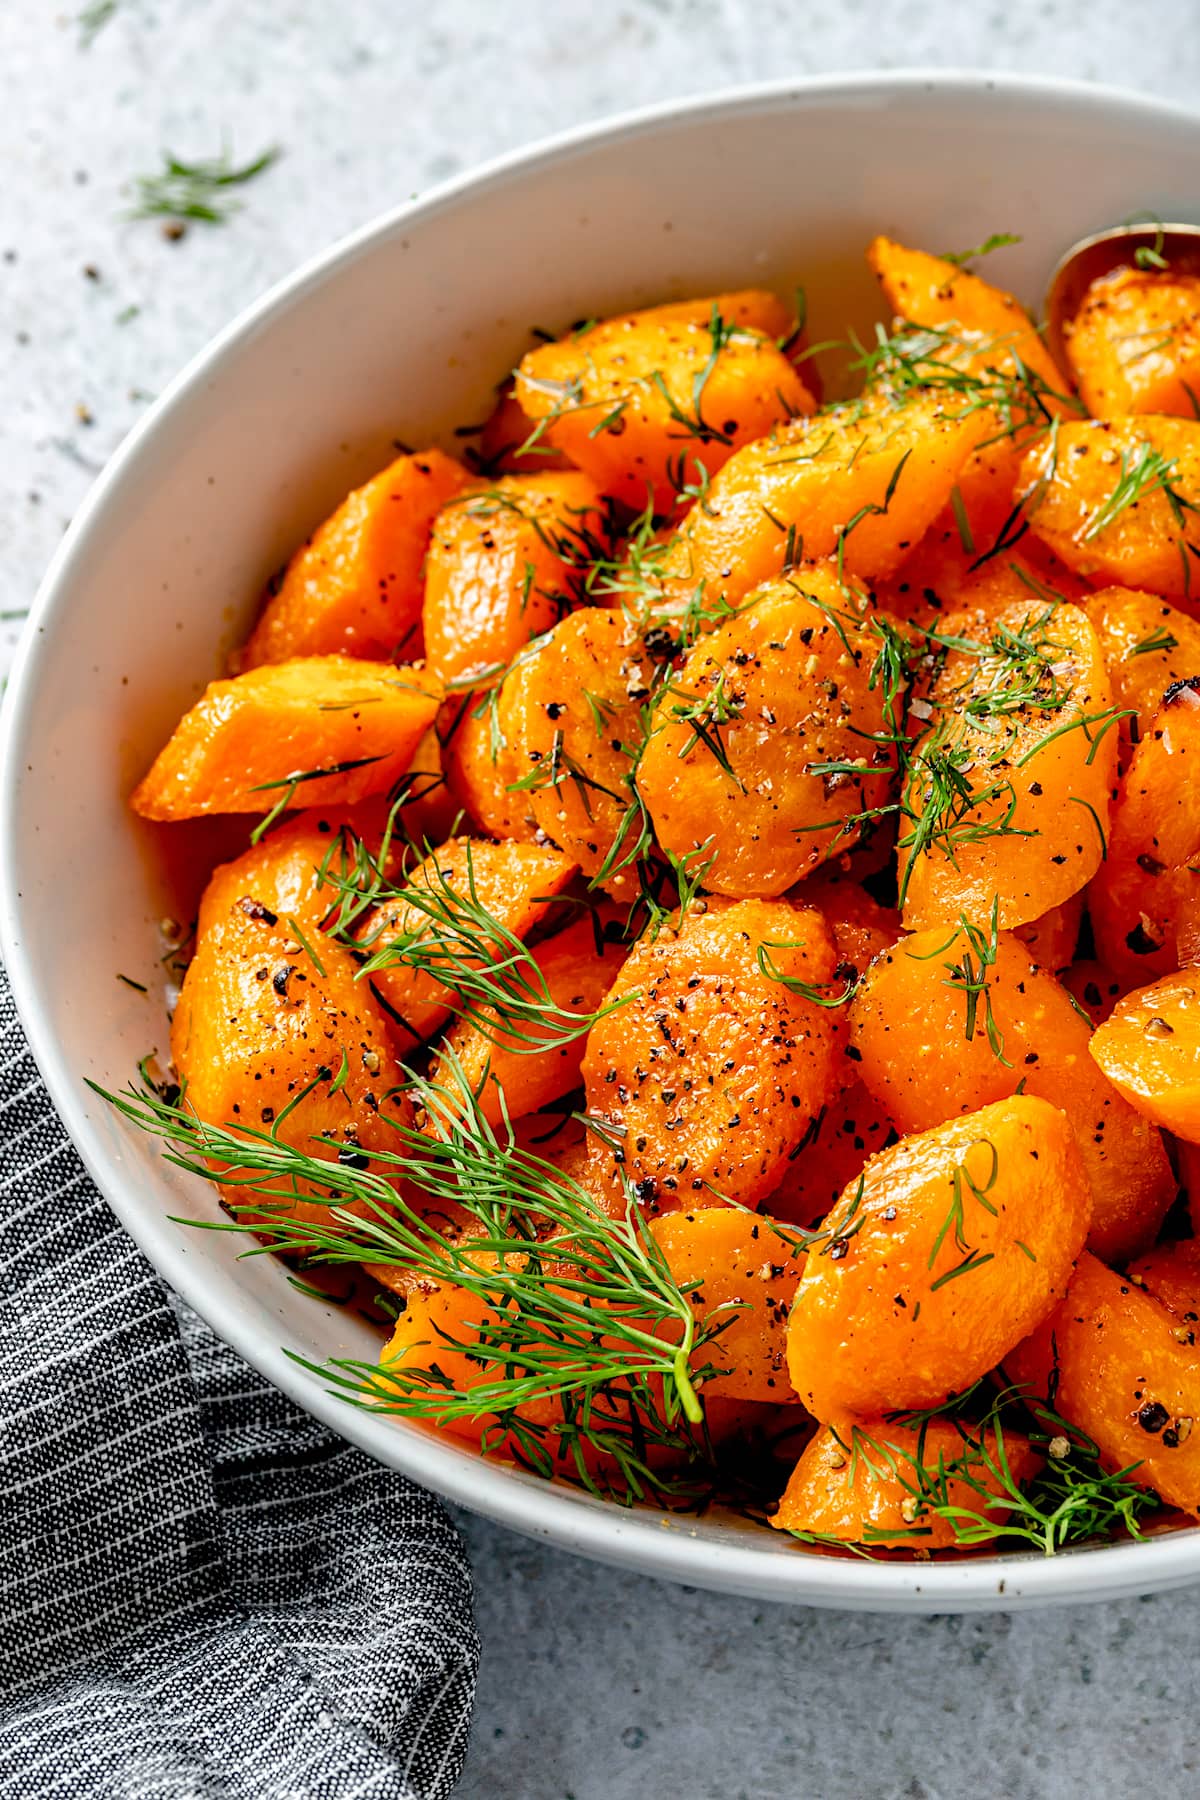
{"x": 202, "y": 1592}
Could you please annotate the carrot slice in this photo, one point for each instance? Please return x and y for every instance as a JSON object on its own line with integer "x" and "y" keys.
{"x": 570, "y": 712}
{"x": 746, "y": 1274}
{"x": 651, "y": 401}
{"x": 1149, "y": 1047}
{"x": 872, "y": 1481}
{"x": 715, "y": 1066}
{"x": 859, "y": 482}
{"x": 949, "y": 1021}
{"x": 1117, "y": 499}
{"x": 1008, "y": 791}
{"x": 354, "y": 588}
{"x": 505, "y": 563}
{"x": 321, "y": 731}
{"x": 272, "y": 1030}
{"x": 763, "y": 751}
{"x": 1145, "y": 899}
{"x": 1148, "y": 647}
{"x": 510, "y": 884}
{"x": 503, "y": 1065}
{"x": 945, "y": 1253}
{"x": 1113, "y": 1362}
{"x": 1134, "y": 344}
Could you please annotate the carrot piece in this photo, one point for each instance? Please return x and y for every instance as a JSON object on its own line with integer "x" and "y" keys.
{"x": 945, "y": 1253}
{"x": 859, "y": 482}
{"x": 1008, "y": 791}
{"x": 354, "y": 588}
{"x": 741, "y": 1263}
{"x": 505, "y": 563}
{"x": 930, "y": 291}
{"x": 1094, "y": 988}
{"x": 570, "y": 709}
{"x": 480, "y": 757}
{"x": 872, "y": 1481}
{"x": 1051, "y": 939}
{"x": 264, "y": 1022}
{"x": 741, "y": 739}
{"x": 507, "y": 444}
{"x": 514, "y": 884}
{"x": 504, "y": 1060}
{"x": 647, "y": 402}
{"x": 1170, "y": 1274}
{"x": 1145, "y": 899}
{"x": 847, "y": 1131}
{"x": 713, "y": 1069}
{"x": 321, "y": 731}
{"x": 1148, "y": 647}
{"x": 862, "y": 929}
{"x": 1113, "y": 1363}
{"x": 1149, "y": 1047}
{"x": 1116, "y": 499}
{"x": 1134, "y": 344}
{"x": 949, "y": 1022}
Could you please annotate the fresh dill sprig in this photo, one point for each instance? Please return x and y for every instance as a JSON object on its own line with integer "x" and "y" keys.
{"x": 999, "y": 240}
{"x": 1161, "y": 639}
{"x": 198, "y": 191}
{"x": 1142, "y": 472}
{"x": 575, "y": 1307}
{"x": 1073, "y": 1499}
{"x": 447, "y": 934}
{"x": 969, "y": 975}
{"x": 92, "y": 20}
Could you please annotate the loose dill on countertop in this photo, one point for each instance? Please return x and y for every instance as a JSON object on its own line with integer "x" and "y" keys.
{"x": 196, "y": 191}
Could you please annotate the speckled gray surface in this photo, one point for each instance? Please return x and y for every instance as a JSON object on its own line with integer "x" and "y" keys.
{"x": 596, "y": 1684}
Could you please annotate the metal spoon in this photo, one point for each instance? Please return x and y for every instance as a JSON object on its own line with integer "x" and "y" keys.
{"x": 1103, "y": 254}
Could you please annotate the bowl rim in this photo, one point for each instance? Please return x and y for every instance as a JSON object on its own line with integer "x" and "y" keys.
{"x": 637, "y": 1539}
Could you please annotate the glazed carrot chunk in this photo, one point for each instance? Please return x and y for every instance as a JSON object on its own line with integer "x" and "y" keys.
{"x": 858, "y": 481}
{"x": 480, "y": 755}
{"x": 354, "y": 589}
{"x": 323, "y": 731}
{"x": 862, "y": 929}
{"x": 1051, "y": 940}
{"x": 759, "y": 754}
{"x": 847, "y": 1131}
{"x": 506, "y": 562}
{"x": 713, "y": 1069}
{"x": 510, "y": 443}
{"x": 951, "y": 1021}
{"x": 931, "y": 291}
{"x": 1134, "y": 344}
{"x": 260, "y": 1025}
{"x": 872, "y": 1481}
{"x": 1149, "y": 1047}
{"x": 743, "y": 1265}
{"x": 516, "y": 1066}
{"x": 1094, "y": 989}
{"x": 570, "y": 710}
{"x": 1145, "y": 899}
{"x": 1170, "y": 1274}
{"x": 650, "y": 401}
{"x": 1008, "y": 791}
{"x": 1117, "y": 1364}
{"x": 1148, "y": 647}
{"x": 945, "y": 1252}
{"x": 1117, "y": 500}
{"x": 470, "y": 903}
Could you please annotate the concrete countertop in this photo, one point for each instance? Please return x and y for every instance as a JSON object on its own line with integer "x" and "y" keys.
{"x": 596, "y": 1684}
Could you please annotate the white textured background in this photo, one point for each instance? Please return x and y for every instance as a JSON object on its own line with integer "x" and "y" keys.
{"x": 596, "y": 1685}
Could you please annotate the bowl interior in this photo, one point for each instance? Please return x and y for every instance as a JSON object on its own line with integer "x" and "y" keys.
{"x": 400, "y": 336}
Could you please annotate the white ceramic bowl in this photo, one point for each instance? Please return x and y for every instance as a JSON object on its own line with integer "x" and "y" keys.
{"x": 401, "y": 332}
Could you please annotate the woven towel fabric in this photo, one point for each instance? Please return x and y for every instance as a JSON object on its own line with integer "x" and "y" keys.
{"x": 202, "y": 1591}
